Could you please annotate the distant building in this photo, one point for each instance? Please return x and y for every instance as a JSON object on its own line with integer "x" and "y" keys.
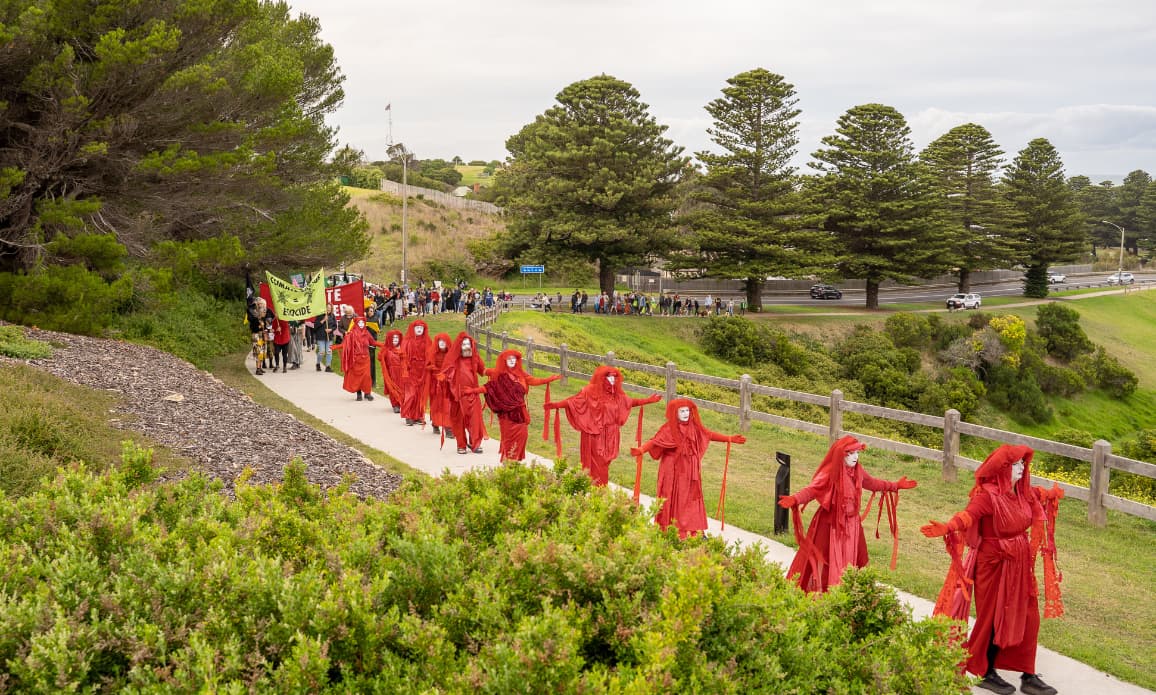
{"x": 462, "y": 191}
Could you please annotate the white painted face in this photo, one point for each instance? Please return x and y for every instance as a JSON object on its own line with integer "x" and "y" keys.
{"x": 851, "y": 459}
{"x": 467, "y": 348}
{"x": 684, "y": 414}
{"x": 511, "y": 362}
{"x": 419, "y": 331}
{"x": 361, "y": 323}
{"x": 1017, "y": 471}
{"x": 397, "y": 340}
{"x": 610, "y": 379}
{"x": 441, "y": 345}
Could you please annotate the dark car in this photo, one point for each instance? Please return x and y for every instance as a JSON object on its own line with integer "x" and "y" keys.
{"x": 825, "y": 292}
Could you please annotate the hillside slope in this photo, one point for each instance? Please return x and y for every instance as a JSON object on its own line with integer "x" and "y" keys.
{"x": 437, "y": 234}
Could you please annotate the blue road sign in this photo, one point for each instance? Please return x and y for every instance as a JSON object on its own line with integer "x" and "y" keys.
{"x": 528, "y": 269}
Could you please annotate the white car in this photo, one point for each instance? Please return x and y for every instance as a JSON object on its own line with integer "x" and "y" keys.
{"x": 1054, "y": 277}
{"x": 1124, "y": 278}
{"x": 963, "y": 301}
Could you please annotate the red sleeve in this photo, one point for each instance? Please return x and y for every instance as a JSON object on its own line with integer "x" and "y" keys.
{"x": 716, "y": 437}
{"x": 807, "y": 494}
{"x": 635, "y": 402}
{"x": 876, "y": 485}
{"x": 535, "y": 381}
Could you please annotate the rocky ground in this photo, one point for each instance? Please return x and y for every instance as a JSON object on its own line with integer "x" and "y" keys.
{"x": 193, "y": 413}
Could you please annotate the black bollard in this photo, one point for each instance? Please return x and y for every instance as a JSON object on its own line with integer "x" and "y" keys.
{"x": 782, "y": 488}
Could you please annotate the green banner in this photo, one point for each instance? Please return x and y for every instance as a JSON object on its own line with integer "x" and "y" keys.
{"x": 297, "y": 303}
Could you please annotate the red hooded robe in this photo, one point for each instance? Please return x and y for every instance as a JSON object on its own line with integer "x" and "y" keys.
{"x": 680, "y": 446}
{"x": 1000, "y": 563}
{"x": 461, "y": 373}
{"x": 415, "y": 378}
{"x": 598, "y": 412}
{"x": 439, "y": 390}
{"x": 506, "y": 396}
{"x": 390, "y": 358}
{"x": 355, "y": 358}
{"x": 835, "y": 537}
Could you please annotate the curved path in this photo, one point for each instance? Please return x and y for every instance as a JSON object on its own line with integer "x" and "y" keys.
{"x": 320, "y": 395}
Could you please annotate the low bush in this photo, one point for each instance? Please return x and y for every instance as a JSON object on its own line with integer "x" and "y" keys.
{"x": 1059, "y": 326}
{"x": 511, "y": 580}
{"x": 13, "y": 343}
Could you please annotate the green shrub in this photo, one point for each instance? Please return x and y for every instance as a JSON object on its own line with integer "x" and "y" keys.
{"x": 512, "y": 580}
{"x": 1059, "y": 326}
{"x": 189, "y": 324}
{"x": 751, "y": 344}
{"x": 68, "y": 298}
{"x": 13, "y": 343}
{"x": 1044, "y": 463}
{"x": 1112, "y": 376}
{"x": 908, "y": 330}
{"x": 1016, "y": 392}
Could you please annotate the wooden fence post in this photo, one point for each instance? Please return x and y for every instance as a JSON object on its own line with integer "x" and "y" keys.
{"x": 836, "y": 429}
{"x": 608, "y": 360}
{"x": 745, "y": 403}
{"x": 950, "y": 444}
{"x": 505, "y": 340}
{"x": 1098, "y": 484}
{"x": 489, "y": 339}
{"x": 529, "y": 357}
{"x": 563, "y": 362}
{"x": 671, "y": 381}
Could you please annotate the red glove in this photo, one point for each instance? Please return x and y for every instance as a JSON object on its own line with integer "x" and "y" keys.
{"x": 654, "y": 399}
{"x": 788, "y": 501}
{"x": 739, "y": 439}
{"x": 905, "y": 484}
{"x": 551, "y": 406}
{"x": 934, "y": 529}
{"x": 635, "y": 451}
{"x": 554, "y": 377}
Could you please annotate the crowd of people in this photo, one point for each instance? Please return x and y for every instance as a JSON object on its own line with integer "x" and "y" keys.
{"x": 992, "y": 544}
{"x": 640, "y": 304}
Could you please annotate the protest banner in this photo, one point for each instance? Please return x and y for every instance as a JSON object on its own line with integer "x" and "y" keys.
{"x": 292, "y": 303}
{"x": 352, "y": 294}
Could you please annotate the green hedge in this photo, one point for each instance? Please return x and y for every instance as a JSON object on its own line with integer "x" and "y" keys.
{"x": 513, "y": 580}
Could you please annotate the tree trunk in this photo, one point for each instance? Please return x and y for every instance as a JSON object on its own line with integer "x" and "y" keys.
{"x": 872, "y": 293}
{"x": 964, "y": 280}
{"x": 606, "y": 277}
{"x": 754, "y": 289}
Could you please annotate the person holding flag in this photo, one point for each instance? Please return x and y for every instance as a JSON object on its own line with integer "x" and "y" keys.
{"x": 598, "y": 412}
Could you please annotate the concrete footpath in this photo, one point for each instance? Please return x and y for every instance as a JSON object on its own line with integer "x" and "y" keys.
{"x": 374, "y": 423}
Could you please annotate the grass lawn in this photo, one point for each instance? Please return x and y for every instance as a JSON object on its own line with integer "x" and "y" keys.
{"x": 1113, "y": 630}
{"x": 473, "y": 174}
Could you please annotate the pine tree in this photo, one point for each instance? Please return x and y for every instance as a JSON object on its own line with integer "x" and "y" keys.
{"x": 879, "y": 203}
{"x": 746, "y": 218}
{"x": 1046, "y": 220}
{"x": 1129, "y": 201}
{"x": 591, "y": 178}
{"x": 963, "y": 164}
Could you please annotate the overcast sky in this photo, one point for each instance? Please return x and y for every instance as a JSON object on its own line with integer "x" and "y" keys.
{"x": 463, "y": 76}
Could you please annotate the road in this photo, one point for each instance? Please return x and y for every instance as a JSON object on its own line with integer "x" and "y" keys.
{"x": 939, "y": 293}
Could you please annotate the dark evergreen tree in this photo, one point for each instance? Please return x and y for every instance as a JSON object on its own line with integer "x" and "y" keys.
{"x": 1046, "y": 220}
{"x": 746, "y": 215}
{"x": 184, "y": 121}
{"x": 963, "y": 164}
{"x": 1096, "y": 203}
{"x": 887, "y": 217}
{"x": 1129, "y": 204}
{"x": 591, "y": 178}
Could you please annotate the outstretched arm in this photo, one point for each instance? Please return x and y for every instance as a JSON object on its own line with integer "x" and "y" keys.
{"x": 535, "y": 381}
{"x": 718, "y": 437}
{"x": 876, "y": 485}
{"x": 635, "y": 402}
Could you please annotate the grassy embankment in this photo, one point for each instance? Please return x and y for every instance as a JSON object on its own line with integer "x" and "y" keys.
{"x": 1109, "y": 574}
{"x": 435, "y": 233}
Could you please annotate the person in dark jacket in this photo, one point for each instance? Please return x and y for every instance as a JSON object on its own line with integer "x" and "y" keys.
{"x": 323, "y": 328}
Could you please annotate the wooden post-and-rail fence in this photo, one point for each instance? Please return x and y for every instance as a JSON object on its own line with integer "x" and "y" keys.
{"x": 1100, "y": 456}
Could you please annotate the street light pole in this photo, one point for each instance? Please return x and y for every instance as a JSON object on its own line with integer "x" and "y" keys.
{"x": 1120, "y": 271}
{"x": 404, "y": 198}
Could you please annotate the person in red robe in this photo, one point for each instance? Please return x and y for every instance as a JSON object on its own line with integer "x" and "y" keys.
{"x": 391, "y": 368}
{"x": 835, "y": 537}
{"x": 355, "y": 360}
{"x": 461, "y": 372}
{"x": 506, "y": 392}
{"x": 598, "y": 412}
{"x": 1000, "y": 565}
{"x": 415, "y": 347}
{"x": 679, "y": 445}
{"x": 439, "y": 391}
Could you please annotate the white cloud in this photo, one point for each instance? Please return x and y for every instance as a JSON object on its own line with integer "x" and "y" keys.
{"x": 462, "y": 77}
